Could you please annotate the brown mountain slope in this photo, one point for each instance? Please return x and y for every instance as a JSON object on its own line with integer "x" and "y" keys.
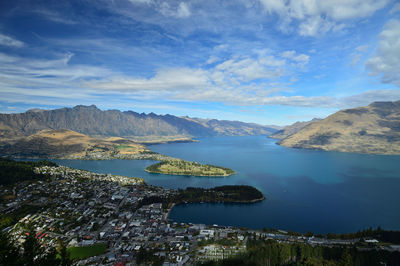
{"x": 291, "y": 129}
{"x": 371, "y": 129}
{"x": 70, "y": 144}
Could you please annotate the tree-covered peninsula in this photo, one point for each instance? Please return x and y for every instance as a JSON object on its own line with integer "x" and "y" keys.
{"x": 181, "y": 167}
{"x": 221, "y": 194}
{"x": 233, "y": 194}
{"x": 14, "y": 171}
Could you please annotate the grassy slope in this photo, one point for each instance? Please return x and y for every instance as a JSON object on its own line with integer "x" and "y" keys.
{"x": 53, "y": 143}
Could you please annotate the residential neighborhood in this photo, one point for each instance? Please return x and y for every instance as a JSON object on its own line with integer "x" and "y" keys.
{"x": 123, "y": 220}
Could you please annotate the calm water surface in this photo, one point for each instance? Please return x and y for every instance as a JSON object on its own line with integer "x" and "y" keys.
{"x": 305, "y": 189}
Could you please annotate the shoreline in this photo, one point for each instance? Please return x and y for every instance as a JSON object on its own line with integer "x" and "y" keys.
{"x": 166, "y": 215}
{"x": 169, "y": 211}
{"x": 156, "y": 142}
{"x": 225, "y": 175}
{"x": 150, "y": 157}
{"x": 224, "y": 202}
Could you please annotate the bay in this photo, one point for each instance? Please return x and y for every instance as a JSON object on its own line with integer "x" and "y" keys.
{"x": 306, "y": 190}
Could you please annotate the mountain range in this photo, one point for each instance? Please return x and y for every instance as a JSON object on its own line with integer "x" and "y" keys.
{"x": 91, "y": 121}
{"x": 86, "y": 131}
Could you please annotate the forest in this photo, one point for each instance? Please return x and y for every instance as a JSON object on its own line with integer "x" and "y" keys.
{"x": 16, "y": 171}
{"x": 234, "y": 194}
{"x": 269, "y": 252}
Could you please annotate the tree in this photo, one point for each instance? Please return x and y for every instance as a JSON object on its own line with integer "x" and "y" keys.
{"x": 9, "y": 253}
{"x": 35, "y": 254}
{"x": 31, "y": 248}
{"x": 346, "y": 259}
{"x": 64, "y": 254}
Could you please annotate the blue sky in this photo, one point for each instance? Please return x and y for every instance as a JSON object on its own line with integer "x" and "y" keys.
{"x": 263, "y": 61}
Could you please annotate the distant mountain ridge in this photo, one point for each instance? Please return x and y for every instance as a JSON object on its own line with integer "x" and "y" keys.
{"x": 91, "y": 121}
{"x": 371, "y": 129}
{"x": 291, "y": 129}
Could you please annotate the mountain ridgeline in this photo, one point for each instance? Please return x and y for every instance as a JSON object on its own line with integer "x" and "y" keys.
{"x": 90, "y": 120}
{"x": 291, "y": 129}
{"x": 373, "y": 129}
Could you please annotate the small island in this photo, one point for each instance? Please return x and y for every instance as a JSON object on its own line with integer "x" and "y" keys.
{"x": 181, "y": 167}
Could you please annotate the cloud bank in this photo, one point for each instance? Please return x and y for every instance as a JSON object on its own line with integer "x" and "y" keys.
{"x": 316, "y": 17}
{"x": 385, "y": 64}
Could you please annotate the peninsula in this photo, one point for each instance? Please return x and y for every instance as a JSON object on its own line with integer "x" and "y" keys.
{"x": 181, "y": 167}
{"x": 226, "y": 194}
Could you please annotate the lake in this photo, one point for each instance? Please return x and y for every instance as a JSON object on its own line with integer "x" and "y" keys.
{"x": 306, "y": 190}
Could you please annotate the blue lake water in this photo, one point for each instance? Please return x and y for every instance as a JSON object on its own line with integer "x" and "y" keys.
{"x": 305, "y": 189}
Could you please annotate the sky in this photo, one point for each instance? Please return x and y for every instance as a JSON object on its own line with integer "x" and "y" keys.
{"x": 262, "y": 61}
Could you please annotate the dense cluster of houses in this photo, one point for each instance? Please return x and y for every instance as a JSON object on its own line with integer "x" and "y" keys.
{"x": 84, "y": 209}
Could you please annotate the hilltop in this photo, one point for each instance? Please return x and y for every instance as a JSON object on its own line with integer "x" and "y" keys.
{"x": 371, "y": 129}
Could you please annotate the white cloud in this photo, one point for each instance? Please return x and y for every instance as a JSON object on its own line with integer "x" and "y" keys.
{"x": 242, "y": 80}
{"x": 165, "y": 80}
{"x": 248, "y": 69}
{"x": 356, "y": 57}
{"x": 301, "y": 101}
{"x": 212, "y": 59}
{"x": 386, "y": 61}
{"x": 362, "y": 48}
{"x": 239, "y": 80}
{"x": 141, "y": 1}
{"x": 9, "y": 41}
{"x": 298, "y": 58}
{"x": 357, "y": 54}
{"x": 180, "y": 11}
{"x": 288, "y": 54}
{"x": 395, "y": 8}
{"x": 368, "y": 97}
{"x": 53, "y": 15}
{"x": 315, "y": 17}
{"x": 27, "y": 77}
{"x": 312, "y": 26}
{"x": 183, "y": 11}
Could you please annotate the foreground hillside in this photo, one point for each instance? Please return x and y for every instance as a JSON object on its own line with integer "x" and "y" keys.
{"x": 91, "y": 121}
{"x": 69, "y": 144}
{"x": 372, "y": 129}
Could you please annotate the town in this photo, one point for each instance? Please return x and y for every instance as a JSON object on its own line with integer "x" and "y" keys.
{"x": 116, "y": 220}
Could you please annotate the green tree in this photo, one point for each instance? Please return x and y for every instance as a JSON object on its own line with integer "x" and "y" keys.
{"x": 64, "y": 254}
{"x": 346, "y": 259}
{"x": 9, "y": 253}
{"x": 34, "y": 254}
{"x": 31, "y": 248}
